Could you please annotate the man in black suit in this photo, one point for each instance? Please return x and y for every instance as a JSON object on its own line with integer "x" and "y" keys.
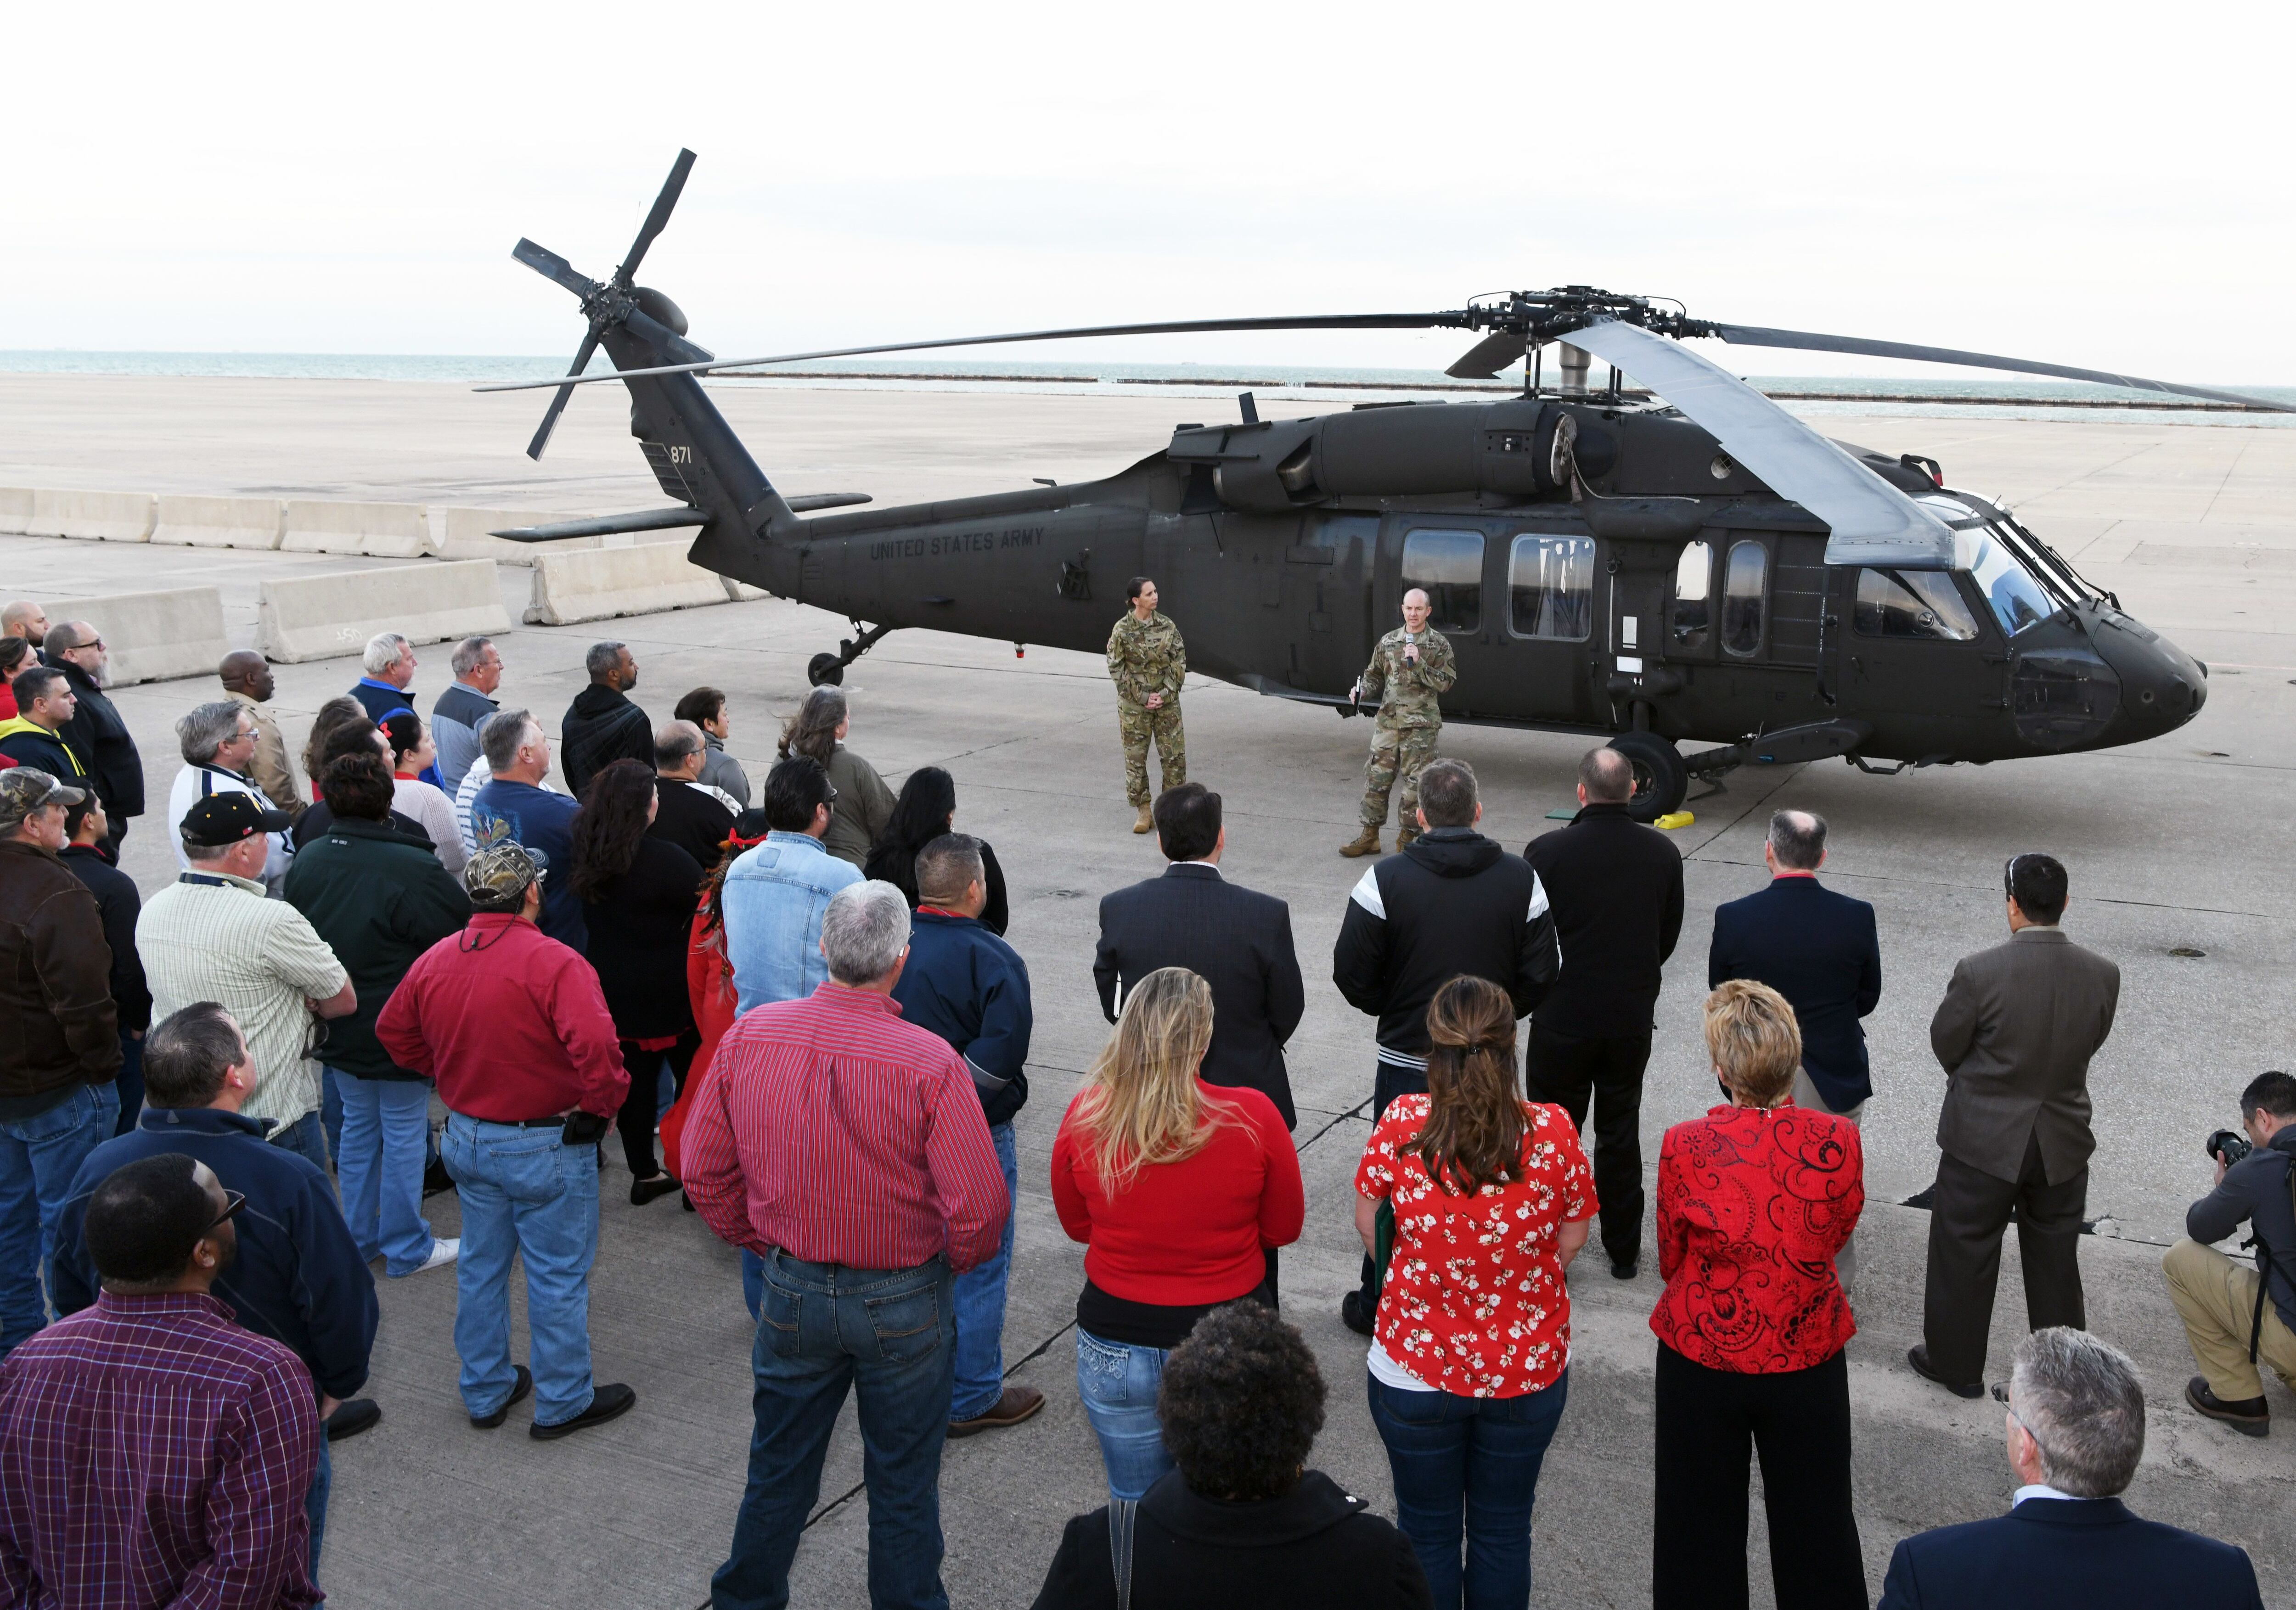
{"x": 2075, "y": 1431}
{"x": 1616, "y": 889}
{"x": 1236, "y": 940}
{"x": 1820, "y": 950}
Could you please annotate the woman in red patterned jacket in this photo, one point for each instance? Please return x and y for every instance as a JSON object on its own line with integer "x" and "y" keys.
{"x": 1754, "y": 1200}
{"x": 1470, "y": 1350}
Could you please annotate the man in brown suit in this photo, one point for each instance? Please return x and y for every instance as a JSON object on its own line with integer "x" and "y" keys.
{"x": 2015, "y": 1032}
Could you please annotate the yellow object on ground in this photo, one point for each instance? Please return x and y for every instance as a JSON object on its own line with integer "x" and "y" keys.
{"x": 1673, "y": 820}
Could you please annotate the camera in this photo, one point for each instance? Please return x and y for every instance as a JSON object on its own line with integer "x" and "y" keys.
{"x": 2228, "y": 1147}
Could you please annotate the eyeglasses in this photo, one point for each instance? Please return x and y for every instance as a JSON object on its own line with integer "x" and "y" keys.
{"x": 832, "y": 795}
{"x": 232, "y": 1203}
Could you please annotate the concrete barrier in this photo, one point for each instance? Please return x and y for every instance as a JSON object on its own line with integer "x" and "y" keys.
{"x": 571, "y": 587}
{"x": 463, "y": 533}
{"x": 153, "y": 636}
{"x": 15, "y": 511}
{"x": 219, "y": 522}
{"x": 323, "y": 616}
{"x": 111, "y": 517}
{"x": 384, "y": 530}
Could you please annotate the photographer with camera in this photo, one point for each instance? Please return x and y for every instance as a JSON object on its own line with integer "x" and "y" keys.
{"x": 2229, "y": 1324}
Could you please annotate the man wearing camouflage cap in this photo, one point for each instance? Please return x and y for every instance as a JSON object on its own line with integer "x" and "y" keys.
{"x": 1148, "y": 662}
{"x": 58, "y": 1042}
{"x": 1409, "y": 668}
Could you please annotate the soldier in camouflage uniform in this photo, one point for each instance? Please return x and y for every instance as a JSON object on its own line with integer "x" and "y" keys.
{"x": 1148, "y": 662}
{"x": 1409, "y": 667}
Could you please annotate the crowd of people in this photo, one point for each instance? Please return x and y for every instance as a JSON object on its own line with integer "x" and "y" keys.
{"x": 804, "y": 1017}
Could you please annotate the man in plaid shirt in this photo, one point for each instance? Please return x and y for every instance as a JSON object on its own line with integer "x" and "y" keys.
{"x": 152, "y": 1452}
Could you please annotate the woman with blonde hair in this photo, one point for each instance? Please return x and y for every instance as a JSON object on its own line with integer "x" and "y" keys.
{"x": 864, "y": 804}
{"x": 1470, "y": 1350}
{"x": 1177, "y": 1188}
{"x": 1754, "y": 1201}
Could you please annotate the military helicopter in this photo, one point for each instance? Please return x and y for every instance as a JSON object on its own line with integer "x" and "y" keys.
{"x": 1693, "y": 566}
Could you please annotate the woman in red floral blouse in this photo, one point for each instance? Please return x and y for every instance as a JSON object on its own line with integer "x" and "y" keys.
{"x": 1754, "y": 1200}
{"x": 1471, "y": 1348}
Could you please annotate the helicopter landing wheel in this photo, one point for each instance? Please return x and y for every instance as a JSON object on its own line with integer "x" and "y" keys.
{"x": 825, "y": 668}
{"x": 1661, "y": 778}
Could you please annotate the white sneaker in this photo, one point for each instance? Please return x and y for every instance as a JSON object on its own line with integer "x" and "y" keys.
{"x": 442, "y": 1253}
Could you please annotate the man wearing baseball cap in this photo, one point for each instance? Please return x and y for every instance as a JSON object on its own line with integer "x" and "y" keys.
{"x": 212, "y": 936}
{"x": 514, "y": 1028}
{"x": 59, "y": 1038}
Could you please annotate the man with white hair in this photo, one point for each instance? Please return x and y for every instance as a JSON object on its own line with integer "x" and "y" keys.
{"x": 690, "y": 814}
{"x": 389, "y": 681}
{"x": 218, "y": 743}
{"x": 847, "y": 1150}
{"x": 2075, "y": 1431}
{"x": 464, "y": 708}
{"x": 514, "y": 805}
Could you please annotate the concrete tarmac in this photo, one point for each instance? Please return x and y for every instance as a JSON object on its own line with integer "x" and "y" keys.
{"x": 2178, "y": 845}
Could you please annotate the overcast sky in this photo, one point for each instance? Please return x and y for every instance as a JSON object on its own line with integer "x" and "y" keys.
{"x": 2108, "y": 186}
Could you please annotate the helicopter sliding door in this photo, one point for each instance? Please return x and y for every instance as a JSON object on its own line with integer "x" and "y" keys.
{"x": 1549, "y": 632}
{"x": 1327, "y": 601}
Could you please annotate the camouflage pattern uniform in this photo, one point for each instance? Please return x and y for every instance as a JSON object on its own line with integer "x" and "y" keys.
{"x": 1403, "y": 736}
{"x": 1145, "y": 657}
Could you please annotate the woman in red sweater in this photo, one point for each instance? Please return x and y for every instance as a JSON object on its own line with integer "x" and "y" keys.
{"x": 1754, "y": 1200}
{"x": 1177, "y": 1188}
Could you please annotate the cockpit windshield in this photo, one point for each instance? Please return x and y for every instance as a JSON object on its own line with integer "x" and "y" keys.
{"x": 2018, "y": 600}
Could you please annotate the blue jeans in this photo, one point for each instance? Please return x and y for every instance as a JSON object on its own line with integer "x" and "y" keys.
{"x": 129, "y": 1084}
{"x": 525, "y": 1193}
{"x": 315, "y": 1503}
{"x": 306, "y": 1138}
{"x": 1472, "y": 1460}
{"x": 980, "y": 1304}
{"x": 888, "y": 1335}
{"x": 386, "y": 1131}
{"x": 38, "y": 1157}
{"x": 1118, "y": 1383}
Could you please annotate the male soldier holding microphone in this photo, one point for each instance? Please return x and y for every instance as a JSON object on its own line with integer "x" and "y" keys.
{"x": 1409, "y": 668}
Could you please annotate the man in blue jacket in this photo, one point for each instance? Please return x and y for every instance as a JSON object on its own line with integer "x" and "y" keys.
{"x": 515, "y": 808}
{"x": 1819, "y": 950}
{"x": 298, "y": 1279}
{"x": 2076, "y": 1432}
{"x": 970, "y": 988}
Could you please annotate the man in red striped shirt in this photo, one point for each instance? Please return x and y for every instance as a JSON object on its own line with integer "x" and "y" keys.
{"x": 847, "y": 1150}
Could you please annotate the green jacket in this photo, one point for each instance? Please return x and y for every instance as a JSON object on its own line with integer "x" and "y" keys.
{"x": 380, "y": 899}
{"x": 1147, "y": 656}
{"x": 1409, "y": 690}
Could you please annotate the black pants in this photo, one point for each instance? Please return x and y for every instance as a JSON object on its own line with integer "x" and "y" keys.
{"x": 1388, "y": 1083}
{"x": 1571, "y": 1072}
{"x": 1799, "y": 1422}
{"x": 639, "y": 1112}
{"x": 1968, "y": 1213}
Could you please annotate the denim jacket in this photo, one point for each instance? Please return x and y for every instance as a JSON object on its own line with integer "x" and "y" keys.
{"x": 774, "y": 899}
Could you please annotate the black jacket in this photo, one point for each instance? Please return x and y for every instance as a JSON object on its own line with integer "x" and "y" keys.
{"x": 1238, "y": 941}
{"x": 1819, "y": 950}
{"x": 898, "y": 867}
{"x": 1617, "y": 889}
{"x": 640, "y": 924}
{"x": 2090, "y": 1552}
{"x": 691, "y": 820}
{"x": 117, "y": 899}
{"x": 602, "y": 726}
{"x": 98, "y": 734}
{"x": 2255, "y": 1192}
{"x": 970, "y": 988}
{"x": 1453, "y": 902}
{"x": 1313, "y": 1549}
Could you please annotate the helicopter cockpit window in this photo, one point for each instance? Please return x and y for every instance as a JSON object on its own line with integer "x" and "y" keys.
{"x": 1449, "y": 566}
{"x": 1693, "y": 596}
{"x": 1551, "y": 587}
{"x": 2017, "y": 599}
{"x": 1912, "y": 603}
{"x": 1743, "y": 576}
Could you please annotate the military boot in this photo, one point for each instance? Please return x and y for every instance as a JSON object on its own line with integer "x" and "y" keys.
{"x": 1146, "y": 824}
{"x": 1366, "y": 843}
{"x": 1404, "y": 839}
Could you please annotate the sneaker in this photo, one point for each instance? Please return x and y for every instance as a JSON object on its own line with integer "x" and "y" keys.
{"x": 2250, "y": 1416}
{"x": 1352, "y": 1314}
{"x": 607, "y": 1403}
{"x": 1017, "y": 1404}
{"x": 1918, "y": 1356}
{"x": 520, "y": 1389}
{"x": 442, "y": 1253}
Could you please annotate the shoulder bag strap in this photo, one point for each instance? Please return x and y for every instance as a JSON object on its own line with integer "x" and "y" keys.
{"x": 1122, "y": 1515}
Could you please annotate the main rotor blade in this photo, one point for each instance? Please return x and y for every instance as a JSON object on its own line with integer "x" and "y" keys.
{"x": 1803, "y": 340}
{"x": 1488, "y": 357}
{"x": 656, "y": 219}
{"x": 1872, "y": 522}
{"x": 558, "y": 403}
{"x": 550, "y": 266}
{"x": 1347, "y": 321}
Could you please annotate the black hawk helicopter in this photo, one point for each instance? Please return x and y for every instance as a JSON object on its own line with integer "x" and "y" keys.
{"x": 1705, "y": 567}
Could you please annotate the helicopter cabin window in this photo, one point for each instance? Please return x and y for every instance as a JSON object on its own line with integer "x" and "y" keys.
{"x": 1912, "y": 603}
{"x": 2017, "y": 599}
{"x": 1693, "y": 596}
{"x": 1449, "y": 565}
{"x": 1743, "y": 574}
{"x": 1551, "y": 587}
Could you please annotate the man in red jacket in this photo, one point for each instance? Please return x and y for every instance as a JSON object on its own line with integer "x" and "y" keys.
{"x": 514, "y": 1028}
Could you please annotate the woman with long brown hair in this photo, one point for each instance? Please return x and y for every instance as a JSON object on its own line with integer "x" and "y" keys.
{"x": 1491, "y": 1198}
{"x": 865, "y": 805}
{"x": 1177, "y": 1188}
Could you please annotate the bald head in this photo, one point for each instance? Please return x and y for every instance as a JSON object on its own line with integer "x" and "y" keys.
{"x": 1797, "y": 840}
{"x": 1607, "y": 777}
{"x": 24, "y": 619}
{"x": 244, "y": 671}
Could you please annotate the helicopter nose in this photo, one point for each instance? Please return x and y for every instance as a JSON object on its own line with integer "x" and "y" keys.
{"x": 2162, "y": 686}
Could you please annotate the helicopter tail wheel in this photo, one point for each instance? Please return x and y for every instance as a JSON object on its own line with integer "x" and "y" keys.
{"x": 824, "y": 668}
{"x": 1661, "y": 778}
